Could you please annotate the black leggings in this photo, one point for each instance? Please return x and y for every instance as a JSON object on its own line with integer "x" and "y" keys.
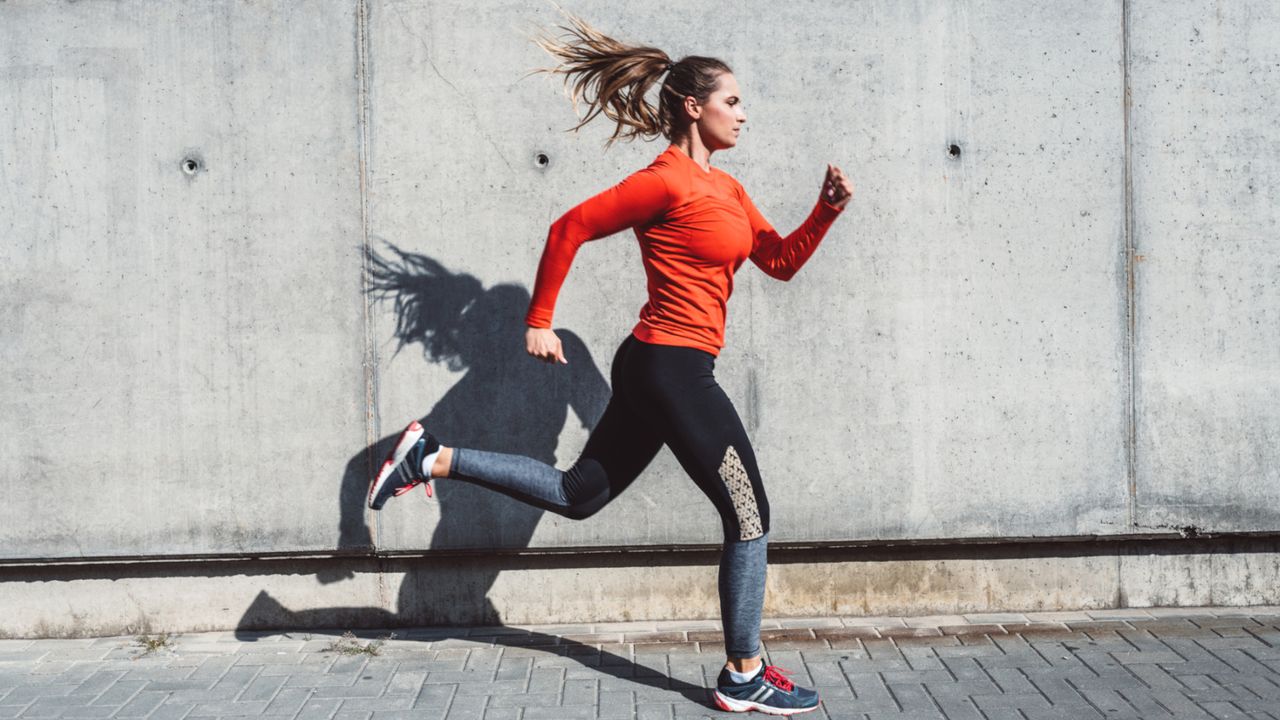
{"x": 668, "y": 395}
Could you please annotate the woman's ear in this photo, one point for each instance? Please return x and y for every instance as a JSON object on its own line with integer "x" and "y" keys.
{"x": 692, "y": 107}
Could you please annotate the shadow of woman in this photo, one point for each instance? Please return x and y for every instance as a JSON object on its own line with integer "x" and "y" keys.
{"x": 505, "y": 401}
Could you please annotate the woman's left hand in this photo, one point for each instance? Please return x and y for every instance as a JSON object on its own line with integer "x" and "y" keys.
{"x": 836, "y": 188}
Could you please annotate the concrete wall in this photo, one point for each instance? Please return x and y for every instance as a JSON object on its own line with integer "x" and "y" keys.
{"x": 182, "y": 349}
{"x": 1207, "y": 287}
{"x": 1045, "y": 314}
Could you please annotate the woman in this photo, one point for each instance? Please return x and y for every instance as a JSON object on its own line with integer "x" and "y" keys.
{"x": 696, "y": 225}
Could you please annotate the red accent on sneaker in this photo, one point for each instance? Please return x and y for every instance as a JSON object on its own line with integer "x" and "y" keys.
{"x": 405, "y": 488}
{"x": 427, "y": 486}
{"x": 774, "y": 674}
{"x": 385, "y": 465}
{"x": 721, "y": 704}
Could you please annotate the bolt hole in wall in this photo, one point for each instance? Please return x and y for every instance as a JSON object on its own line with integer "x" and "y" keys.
{"x": 954, "y": 151}
{"x": 541, "y": 160}
{"x": 192, "y": 164}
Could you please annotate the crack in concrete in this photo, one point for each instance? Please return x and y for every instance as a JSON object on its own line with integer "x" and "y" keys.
{"x": 470, "y": 106}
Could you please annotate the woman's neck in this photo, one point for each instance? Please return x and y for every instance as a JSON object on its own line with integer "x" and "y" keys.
{"x": 691, "y": 144}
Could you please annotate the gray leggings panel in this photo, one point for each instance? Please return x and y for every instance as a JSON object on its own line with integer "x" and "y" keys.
{"x": 523, "y": 478}
{"x": 743, "y": 565}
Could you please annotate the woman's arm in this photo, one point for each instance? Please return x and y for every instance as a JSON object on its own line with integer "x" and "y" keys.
{"x": 639, "y": 199}
{"x": 781, "y": 257}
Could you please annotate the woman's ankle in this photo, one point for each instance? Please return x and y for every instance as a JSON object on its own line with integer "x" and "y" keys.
{"x": 444, "y": 461}
{"x": 744, "y": 665}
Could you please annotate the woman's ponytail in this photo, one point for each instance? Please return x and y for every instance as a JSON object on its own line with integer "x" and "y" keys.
{"x": 613, "y": 78}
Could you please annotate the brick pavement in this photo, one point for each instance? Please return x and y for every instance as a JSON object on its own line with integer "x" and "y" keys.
{"x": 1184, "y": 663}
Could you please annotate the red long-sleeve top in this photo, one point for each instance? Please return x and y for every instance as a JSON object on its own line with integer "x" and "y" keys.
{"x": 695, "y": 229}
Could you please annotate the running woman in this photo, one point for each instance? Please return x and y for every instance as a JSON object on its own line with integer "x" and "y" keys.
{"x": 696, "y": 226}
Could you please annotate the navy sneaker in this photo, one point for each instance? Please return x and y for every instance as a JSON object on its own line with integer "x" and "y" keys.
{"x": 769, "y": 692}
{"x": 402, "y": 470}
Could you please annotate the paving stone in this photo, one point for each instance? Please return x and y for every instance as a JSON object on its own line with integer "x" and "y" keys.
{"x": 1021, "y": 659}
{"x": 463, "y": 707}
{"x": 500, "y": 687}
{"x": 996, "y": 618}
{"x": 959, "y": 710}
{"x": 220, "y": 709}
{"x": 1225, "y": 620}
{"x": 84, "y": 712}
{"x": 29, "y": 693}
{"x": 1097, "y": 626}
{"x": 909, "y": 632}
{"x": 1012, "y": 681}
{"x": 433, "y": 700}
{"x": 599, "y": 638}
{"x": 972, "y": 629}
{"x": 1224, "y": 711}
{"x": 654, "y": 637}
{"x": 667, "y": 648}
{"x": 617, "y": 704}
{"x": 405, "y": 682}
{"x": 141, "y": 705}
{"x": 319, "y": 708}
{"x": 843, "y": 633}
{"x": 1064, "y": 712}
{"x": 525, "y": 700}
{"x": 875, "y": 621}
{"x": 654, "y": 712}
{"x": 179, "y": 711}
{"x": 287, "y": 701}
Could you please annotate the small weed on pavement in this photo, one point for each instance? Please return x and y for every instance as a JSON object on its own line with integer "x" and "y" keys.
{"x": 349, "y": 644}
{"x": 151, "y": 643}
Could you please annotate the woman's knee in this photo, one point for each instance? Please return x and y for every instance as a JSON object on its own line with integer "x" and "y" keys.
{"x": 581, "y": 511}
{"x": 586, "y": 489}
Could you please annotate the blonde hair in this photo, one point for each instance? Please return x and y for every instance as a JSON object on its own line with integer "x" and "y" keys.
{"x": 613, "y": 78}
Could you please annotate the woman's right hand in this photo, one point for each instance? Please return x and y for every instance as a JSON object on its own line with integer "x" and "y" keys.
{"x": 543, "y": 344}
{"x": 836, "y": 188}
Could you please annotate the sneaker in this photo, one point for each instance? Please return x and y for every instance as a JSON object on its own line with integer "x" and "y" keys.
{"x": 769, "y": 692}
{"x": 402, "y": 470}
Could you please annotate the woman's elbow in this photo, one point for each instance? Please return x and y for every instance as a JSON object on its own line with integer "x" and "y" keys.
{"x": 559, "y": 227}
{"x": 783, "y": 274}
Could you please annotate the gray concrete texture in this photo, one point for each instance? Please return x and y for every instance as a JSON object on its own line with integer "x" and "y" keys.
{"x": 193, "y": 364}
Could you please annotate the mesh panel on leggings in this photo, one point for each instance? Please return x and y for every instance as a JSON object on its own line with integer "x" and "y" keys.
{"x": 735, "y": 478}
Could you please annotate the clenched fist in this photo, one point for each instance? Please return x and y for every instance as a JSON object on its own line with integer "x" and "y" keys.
{"x": 836, "y": 188}
{"x": 543, "y": 344}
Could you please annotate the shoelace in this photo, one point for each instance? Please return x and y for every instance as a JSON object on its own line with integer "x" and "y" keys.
{"x": 774, "y": 674}
{"x": 403, "y": 489}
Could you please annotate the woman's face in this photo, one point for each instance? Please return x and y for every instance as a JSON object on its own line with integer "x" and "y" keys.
{"x": 721, "y": 116}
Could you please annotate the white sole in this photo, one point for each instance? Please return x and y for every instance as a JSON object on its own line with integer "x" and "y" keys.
{"x": 728, "y": 704}
{"x": 408, "y": 438}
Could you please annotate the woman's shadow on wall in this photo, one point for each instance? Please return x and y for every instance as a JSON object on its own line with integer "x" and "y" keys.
{"x": 505, "y": 401}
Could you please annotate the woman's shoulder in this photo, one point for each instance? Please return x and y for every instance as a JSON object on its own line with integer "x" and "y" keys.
{"x": 729, "y": 181}
{"x": 725, "y": 175}
{"x": 666, "y": 161}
